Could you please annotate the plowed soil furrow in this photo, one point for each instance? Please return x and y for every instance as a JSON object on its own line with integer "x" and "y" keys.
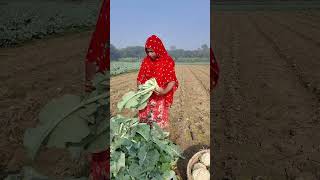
{"x": 265, "y": 118}
{"x": 296, "y": 30}
{"x": 124, "y": 85}
{"x": 203, "y": 85}
{"x": 303, "y": 57}
{"x": 119, "y": 85}
{"x": 298, "y": 18}
{"x": 121, "y": 80}
{"x": 308, "y": 22}
{"x": 204, "y": 78}
{"x": 204, "y": 69}
{"x": 203, "y": 72}
{"x": 179, "y": 121}
{"x": 290, "y": 62}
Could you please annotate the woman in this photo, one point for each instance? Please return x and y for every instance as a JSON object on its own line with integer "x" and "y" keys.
{"x": 97, "y": 61}
{"x": 159, "y": 65}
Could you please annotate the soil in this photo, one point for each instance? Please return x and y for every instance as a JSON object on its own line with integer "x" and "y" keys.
{"x": 30, "y": 76}
{"x": 266, "y": 108}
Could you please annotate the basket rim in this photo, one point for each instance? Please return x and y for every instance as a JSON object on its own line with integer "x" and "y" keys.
{"x": 192, "y": 161}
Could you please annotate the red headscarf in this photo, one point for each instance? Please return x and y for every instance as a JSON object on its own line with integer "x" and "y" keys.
{"x": 214, "y": 70}
{"x": 98, "y": 51}
{"x": 162, "y": 68}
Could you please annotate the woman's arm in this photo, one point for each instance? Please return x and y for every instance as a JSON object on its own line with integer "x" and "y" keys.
{"x": 169, "y": 87}
{"x": 141, "y": 73}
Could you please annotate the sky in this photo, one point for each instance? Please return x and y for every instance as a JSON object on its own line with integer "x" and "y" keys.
{"x": 181, "y": 23}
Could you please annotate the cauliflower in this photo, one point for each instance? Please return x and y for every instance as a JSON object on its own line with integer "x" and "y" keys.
{"x": 198, "y": 166}
{"x": 205, "y": 159}
{"x": 201, "y": 174}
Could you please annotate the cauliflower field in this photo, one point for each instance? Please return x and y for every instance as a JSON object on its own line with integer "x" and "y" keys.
{"x": 21, "y": 21}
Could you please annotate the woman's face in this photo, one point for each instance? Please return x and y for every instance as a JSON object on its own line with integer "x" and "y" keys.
{"x": 151, "y": 53}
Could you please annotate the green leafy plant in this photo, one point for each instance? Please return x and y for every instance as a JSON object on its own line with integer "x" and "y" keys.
{"x": 138, "y": 100}
{"x": 81, "y": 124}
{"x": 141, "y": 152}
{"x": 73, "y": 122}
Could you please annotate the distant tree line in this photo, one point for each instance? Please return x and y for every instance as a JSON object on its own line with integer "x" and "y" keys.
{"x": 139, "y": 52}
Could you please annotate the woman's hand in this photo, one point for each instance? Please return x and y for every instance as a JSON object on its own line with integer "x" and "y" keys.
{"x": 160, "y": 91}
{"x": 138, "y": 84}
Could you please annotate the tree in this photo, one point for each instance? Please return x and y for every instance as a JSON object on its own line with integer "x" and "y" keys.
{"x": 133, "y": 51}
{"x": 172, "y": 48}
{"x": 204, "y": 47}
{"x": 205, "y": 52}
{"x": 114, "y": 53}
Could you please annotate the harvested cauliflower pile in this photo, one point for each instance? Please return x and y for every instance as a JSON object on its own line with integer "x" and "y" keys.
{"x": 200, "y": 170}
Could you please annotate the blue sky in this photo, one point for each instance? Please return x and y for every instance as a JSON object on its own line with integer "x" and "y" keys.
{"x": 182, "y": 23}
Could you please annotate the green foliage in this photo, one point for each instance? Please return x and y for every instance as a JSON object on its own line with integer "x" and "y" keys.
{"x": 138, "y": 100}
{"x": 132, "y": 51}
{"x": 114, "y": 53}
{"x": 21, "y": 21}
{"x": 73, "y": 122}
{"x": 138, "y": 52}
{"x": 118, "y": 67}
{"x": 81, "y": 124}
{"x": 141, "y": 152}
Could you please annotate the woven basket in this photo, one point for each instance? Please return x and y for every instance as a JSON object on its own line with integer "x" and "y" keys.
{"x": 194, "y": 160}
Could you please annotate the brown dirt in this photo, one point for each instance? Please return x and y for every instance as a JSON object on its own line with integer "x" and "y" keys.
{"x": 266, "y": 107}
{"x": 189, "y": 114}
